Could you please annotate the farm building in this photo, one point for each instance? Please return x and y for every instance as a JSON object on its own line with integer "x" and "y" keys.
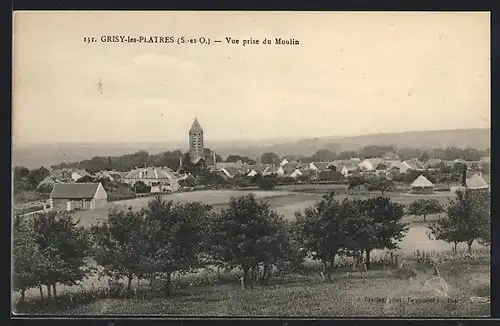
{"x": 476, "y": 182}
{"x": 370, "y": 164}
{"x": 346, "y": 167}
{"x": 271, "y": 170}
{"x": 159, "y": 179}
{"x": 230, "y": 171}
{"x": 409, "y": 165}
{"x": 422, "y": 185}
{"x": 319, "y": 166}
{"x": 78, "y": 174}
{"x": 48, "y": 182}
{"x": 254, "y": 172}
{"x": 77, "y": 196}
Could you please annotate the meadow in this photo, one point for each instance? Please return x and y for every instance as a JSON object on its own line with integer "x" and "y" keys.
{"x": 285, "y": 200}
{"x": 458, "y": 290}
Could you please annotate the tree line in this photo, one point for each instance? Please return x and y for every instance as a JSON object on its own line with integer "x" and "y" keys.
{"x": 171, "y": 158}
{"x": 381, "y": 151}
{"x": 166, "y": 237}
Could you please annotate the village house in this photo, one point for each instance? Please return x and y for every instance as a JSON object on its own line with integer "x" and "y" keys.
{"x": 284, "y": 162}
{"x": 77, "y": 196}
{"x": 392, "y": 164}
{"x": 319, "y": 166}
{"x": 270, "y": 169}
{"x": 78, "y": 174}
{"x": 103, "y": 175}
{"x": 411, "y": 165}
{"x": 422, "y": 185}
{"x": 159, "y": 179}
{"x": 230, "y": 171}
{"x": 48, "y": 182}
{"x": 63, "y": 175}
{"x": 253, "y": 172}
{"x": 296, "y": 173}
{"x": 370, "y": 164}
{"x": 345, "y": 167}
{"x": 432, "y": 162}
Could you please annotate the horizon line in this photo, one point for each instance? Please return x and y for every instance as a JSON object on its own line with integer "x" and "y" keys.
{"x": 289, "y": 138}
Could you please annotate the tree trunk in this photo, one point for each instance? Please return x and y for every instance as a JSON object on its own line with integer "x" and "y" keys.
{"x": 245, "y": 278}
{"x": 151, "y": 280}
{"x": 325, "y": 268}
{"x": 129, "y": 285}
{"x": 168, "y": 289}
{"x": 359, "y": 257}
{"x": 368, "y": 251}
{"x": 330, "y": 269}
{"x": 424, "y": 217}
{"x": 55, "y": 291}
{"x": 218, "y": 274}
{"x": 455, "y": 247}
{"x": 469, "y": 244}
{"x": 264, "y": 272}
{"x": 49, "y": 293}
{"x": 41, "y": 292}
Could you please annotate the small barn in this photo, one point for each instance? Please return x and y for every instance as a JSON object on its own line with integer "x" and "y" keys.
{"x": 476, "y": 182}
{"x": 77, "y": 196}
{"x": 422, "y": 185}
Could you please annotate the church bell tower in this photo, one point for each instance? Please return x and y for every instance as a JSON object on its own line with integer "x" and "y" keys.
{"x": 196, "y": 146}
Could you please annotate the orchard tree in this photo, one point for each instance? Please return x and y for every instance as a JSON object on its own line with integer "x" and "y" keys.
{"x": 424, "y": 207}
{"x": 356, "y": 182}
{"x": 327, "y": 227}
{"x": 175, "y": 237}
{"x": 248, "y": 233}
{"x": 65, "y": 246}
{"x": 119, "y": 245}
{"x": 29, "y": 263}
{"x": 380, "y": 184}
{"x": 381, "y": 225}
{"x": 468, "y": 219}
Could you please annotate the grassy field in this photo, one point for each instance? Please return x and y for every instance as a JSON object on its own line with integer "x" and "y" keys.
{"x": 381, "y": 292}
{"x": 286, "y": 202}
{"x": 217, "y": 198}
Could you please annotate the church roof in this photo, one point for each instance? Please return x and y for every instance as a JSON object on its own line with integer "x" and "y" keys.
{"x": 196, "y": 127}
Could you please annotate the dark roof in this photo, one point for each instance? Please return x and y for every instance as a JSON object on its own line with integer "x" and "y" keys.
{"x": 232, "y": 170}
{"x": 195, "y": 127}
{"x": 74, "y": 190}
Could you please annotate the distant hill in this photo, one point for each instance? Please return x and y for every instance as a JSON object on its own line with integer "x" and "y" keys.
{"x": 50, "y": 154}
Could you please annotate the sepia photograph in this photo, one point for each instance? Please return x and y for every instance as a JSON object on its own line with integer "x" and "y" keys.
{"x": 251, "y": 164}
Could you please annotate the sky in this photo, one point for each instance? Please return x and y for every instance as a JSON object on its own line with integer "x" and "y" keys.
{"x": 351, "y": 74}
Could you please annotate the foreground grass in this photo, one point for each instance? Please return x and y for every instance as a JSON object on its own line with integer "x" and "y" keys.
{"x": 350, "y": 294}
